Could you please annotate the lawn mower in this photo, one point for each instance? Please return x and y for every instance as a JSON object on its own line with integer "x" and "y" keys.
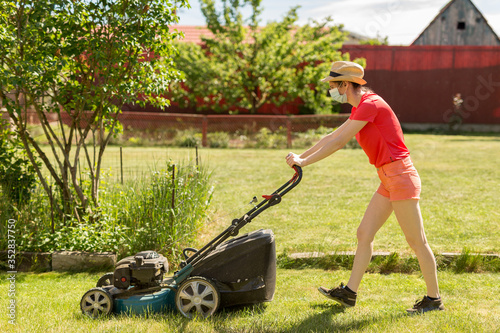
{"x": 225, "y": 272}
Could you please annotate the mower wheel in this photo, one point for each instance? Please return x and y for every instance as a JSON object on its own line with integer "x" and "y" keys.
{"x": 105, "y": 280}
{"x": 96, "y": 302}
{"x": 197, "y": 296}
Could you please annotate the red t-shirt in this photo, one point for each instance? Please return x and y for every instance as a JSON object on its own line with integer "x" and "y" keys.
{"x": 381, "y": 138}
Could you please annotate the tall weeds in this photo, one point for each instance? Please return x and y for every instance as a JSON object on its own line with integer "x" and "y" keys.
{"x": 164, "y": 208}
{"x": 160, "y": 210}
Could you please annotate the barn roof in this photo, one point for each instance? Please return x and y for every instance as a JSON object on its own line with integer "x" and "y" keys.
{"x": 448, "y": 5}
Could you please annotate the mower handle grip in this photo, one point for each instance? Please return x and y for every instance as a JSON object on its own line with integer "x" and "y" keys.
{"x": 297, "y": 177}
{"x": 298, "y": 174}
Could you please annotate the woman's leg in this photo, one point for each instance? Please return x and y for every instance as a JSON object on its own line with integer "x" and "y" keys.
{"x": 410, "y": 219}
{"x": 376, "y": 214}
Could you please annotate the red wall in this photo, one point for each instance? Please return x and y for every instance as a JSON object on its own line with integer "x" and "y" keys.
{"x": 419, "y": 82}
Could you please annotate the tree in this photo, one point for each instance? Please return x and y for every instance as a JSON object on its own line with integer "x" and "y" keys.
{"x": 81, "y": 59}
{"x": 244, "y": 67}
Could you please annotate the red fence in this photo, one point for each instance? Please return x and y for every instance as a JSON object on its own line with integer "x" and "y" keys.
{"x": 419, "y": 82}
{"x": 158, "y": 121}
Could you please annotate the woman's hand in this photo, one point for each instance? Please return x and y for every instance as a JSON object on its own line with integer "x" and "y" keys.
{"x": 294, "y": 159}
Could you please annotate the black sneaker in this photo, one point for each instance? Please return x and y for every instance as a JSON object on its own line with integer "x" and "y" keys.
{"x": 426, "y": 305}
{"x": 340, "y": 295}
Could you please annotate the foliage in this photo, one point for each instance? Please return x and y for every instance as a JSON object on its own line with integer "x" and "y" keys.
{"x": 245, "y": 66}
{"x": 104, "y": 236}
{"x": 265, "y": 138}
{"x": 379, "y": 40}
{"x": 165, "y": 210}
{"x": 310, "y": 137}
{"x": 17, "y": 175}
{"x": 76, "y": 62}
{"x": 469, "y": 262}
{"x": 218, "y": 139}
{"x": 188, "y": 138}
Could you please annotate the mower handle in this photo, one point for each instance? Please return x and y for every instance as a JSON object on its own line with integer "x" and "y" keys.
{"x": 270, "y": 200}
{"x": 237, "y": 224}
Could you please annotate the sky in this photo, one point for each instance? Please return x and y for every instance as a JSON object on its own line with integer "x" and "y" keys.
{"x": 401, "y": 21}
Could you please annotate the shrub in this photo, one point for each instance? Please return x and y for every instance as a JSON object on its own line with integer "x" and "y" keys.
{"x": 135, "y": 141}
{"x": 187, "y": 138}
{"x": 268, "y": 139}
{"x": 218, "y": 140}
{"x": 103, "y": 236}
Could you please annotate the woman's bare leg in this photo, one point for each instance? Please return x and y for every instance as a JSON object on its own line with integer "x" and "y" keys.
{"x": 377, "y": 212}
{"x": 411, "y": 222}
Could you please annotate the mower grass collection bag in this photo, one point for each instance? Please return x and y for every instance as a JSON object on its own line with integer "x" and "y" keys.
{"x": 243, "y": 268}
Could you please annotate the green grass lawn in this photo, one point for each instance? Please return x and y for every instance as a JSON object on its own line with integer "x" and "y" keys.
{"x": 49, "y": 302}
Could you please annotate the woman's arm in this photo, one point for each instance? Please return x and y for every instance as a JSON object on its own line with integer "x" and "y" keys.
{"x": 331, "y": 144}
{"x": 324, "y": 140}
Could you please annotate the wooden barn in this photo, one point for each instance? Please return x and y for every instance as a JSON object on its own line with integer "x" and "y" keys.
{"x": 458, "y": 23}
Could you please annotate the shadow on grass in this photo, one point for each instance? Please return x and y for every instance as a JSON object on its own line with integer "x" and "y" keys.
{"x": 248, "y": 308}
{"x": 325, "y": 321}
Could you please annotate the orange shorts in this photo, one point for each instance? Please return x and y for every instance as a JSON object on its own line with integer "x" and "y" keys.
{"x": 399, "y": 180}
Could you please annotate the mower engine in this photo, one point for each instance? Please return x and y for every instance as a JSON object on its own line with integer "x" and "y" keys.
{"x": 144, "y": 270}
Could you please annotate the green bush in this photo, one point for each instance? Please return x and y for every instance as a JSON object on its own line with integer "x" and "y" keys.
{"x": 268, "y": 139}
{"x": 245, "y": 138}
{"x": 187, "y": 138}
{"x": 218, "y": 139}
{"x": 103, "y": 236}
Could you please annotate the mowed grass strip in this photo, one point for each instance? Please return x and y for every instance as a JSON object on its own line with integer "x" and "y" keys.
{"x": 49, "y": 302}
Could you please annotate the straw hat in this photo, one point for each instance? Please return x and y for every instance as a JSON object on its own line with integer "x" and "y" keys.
{"x": 346, "y": 71}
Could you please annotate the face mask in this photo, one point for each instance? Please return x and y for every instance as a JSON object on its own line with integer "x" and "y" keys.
{"x": 337, "y": 97}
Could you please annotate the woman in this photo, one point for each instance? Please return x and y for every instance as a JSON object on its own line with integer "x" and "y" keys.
{"x": 379, "y": 133}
